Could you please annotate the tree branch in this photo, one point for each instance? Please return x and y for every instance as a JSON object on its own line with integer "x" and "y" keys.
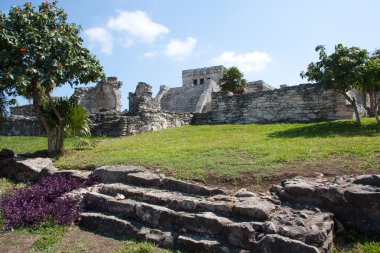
{"x": 348, "y": 98}
{"x": 37, "y": 109}
{"x": 51, "y": 102}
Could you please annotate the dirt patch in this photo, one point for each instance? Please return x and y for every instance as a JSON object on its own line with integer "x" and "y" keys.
{"x": 329, "y": 168}
{"x": 16, "y": 243}
{"x": 77, "y": 240}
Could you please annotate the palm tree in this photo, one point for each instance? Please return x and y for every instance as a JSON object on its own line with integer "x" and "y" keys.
{"x": 75, "y": 119}
{"x": 232, "y": 80}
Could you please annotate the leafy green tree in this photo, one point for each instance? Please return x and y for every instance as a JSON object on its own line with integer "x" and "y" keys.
{"x": 3, "y": 106}
{"x": 232, "y": 80}
{"x": 4, "y": 103}
{"x": 75, "y": 117}
{"x": 371, "y": 82}
{"x": 340, "y": 71}
{"x": 40, "y": 51}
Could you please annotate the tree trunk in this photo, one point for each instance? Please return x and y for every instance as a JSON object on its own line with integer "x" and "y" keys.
{"x": 353, "y": 103}
{"x": 55, "y": 141}
{"x": 54, "y": 135}
{"x": 60, "y": 138}
{"x": 57, "y": 148}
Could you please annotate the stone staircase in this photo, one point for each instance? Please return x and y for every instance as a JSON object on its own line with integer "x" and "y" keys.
{"x": 131, "y": 203}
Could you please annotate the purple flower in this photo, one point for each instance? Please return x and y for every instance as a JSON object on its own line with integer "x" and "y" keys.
{"x": 43, "y": 201}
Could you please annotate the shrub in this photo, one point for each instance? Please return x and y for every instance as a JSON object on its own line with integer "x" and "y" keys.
{"x": 43, "y": 201}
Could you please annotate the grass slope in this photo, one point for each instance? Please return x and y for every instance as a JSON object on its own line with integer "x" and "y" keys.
{"x": 196, "y": 152}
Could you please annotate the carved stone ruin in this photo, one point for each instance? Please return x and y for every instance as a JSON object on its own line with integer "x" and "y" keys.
{"x": 105, "y": 96}
{"x": 199, "y": 96}
{"x": 195, "y": 94}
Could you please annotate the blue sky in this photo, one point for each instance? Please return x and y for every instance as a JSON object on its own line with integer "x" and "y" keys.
{"x": 274, "y": 40}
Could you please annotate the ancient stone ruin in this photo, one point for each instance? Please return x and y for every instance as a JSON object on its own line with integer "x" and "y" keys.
{"x": 306, "y": 102}
{"x": 198, "y": 101}
{"x": 297, "y": 216}
{"x": 144, "y": 115}
{"x": 195, "y": 94}
{"x": 105, "y": 96}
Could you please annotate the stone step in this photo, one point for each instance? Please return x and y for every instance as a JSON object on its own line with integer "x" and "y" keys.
{"x": 135, "y": 175}
{"x": 206, "y": 223}
{"x": 310, "y": 227}
{"x": 123, "y": 229}
{"x": 244, "y": 208}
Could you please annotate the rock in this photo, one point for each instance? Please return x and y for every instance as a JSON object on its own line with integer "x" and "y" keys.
{"x": 126, "y": 230}
{"x": 173, "y": 212}
{"x": 120, "y": 196}
{"x": 73, "y": 173}
{"x": 372, "y": 180}
{"x": 276, "y": 243}
{"x": 198, "y": 244}
{"x": 254, "y": 208}
{"x": 244, "y": 193}
{"x": 115, "y": 173}
{"x": 26, "y": 170}
{"x": 182, "y": 186}
{"x": 354, "y": 201}
{"x": 144, "y": 179}
{"x": 6, "y": 153}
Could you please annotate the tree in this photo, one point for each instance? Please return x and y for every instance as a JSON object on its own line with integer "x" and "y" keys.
{"x": 371, "y": 82}
{"x": 232, "y": 80}
{"x": 340, "y": 71}
{"x": 40, "y": 51}
{"x": 75, "y": 117}
{"x": 3, "y": 105}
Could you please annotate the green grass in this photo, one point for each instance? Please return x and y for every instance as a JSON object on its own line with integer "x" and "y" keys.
{"x": 6, "y": 184}
{"x": 31, "y": 144}
{"x": 353, "y": 242}
{"x": 50, "y": 234}
{"x": 195, "y": 151}
{"x": 140, "y": 247}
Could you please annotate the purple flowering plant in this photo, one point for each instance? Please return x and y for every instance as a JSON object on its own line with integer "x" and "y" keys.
{"x": 42, "y": 202}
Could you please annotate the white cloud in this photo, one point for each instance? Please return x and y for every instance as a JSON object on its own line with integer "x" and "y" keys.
{"x": 247, "y": 62}
{"x": 137, "y": 23}
{"x": 99, "y": 36}
{"x": 151, "y": 54}
{"x": 179, "y": 50}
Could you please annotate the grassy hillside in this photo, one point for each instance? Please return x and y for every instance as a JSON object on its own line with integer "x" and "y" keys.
{"x": 233, "y": 151}
{"x": 237, "y": 155}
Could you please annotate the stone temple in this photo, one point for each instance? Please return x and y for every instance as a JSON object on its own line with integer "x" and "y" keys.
{"x": 198, "y": 101}
{"x": 195, "y": 93}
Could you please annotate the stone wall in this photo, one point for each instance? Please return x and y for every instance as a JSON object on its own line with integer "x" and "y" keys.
{"x": 23, "y": 110}
{"x": 144, "y": 115}
{"x": 105, "y": 96}
{"x": 257, "y": 86}
{"x": 17, "y": 125}
{"x": 305, "y": 102}
{"x": 112, "y": 124}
